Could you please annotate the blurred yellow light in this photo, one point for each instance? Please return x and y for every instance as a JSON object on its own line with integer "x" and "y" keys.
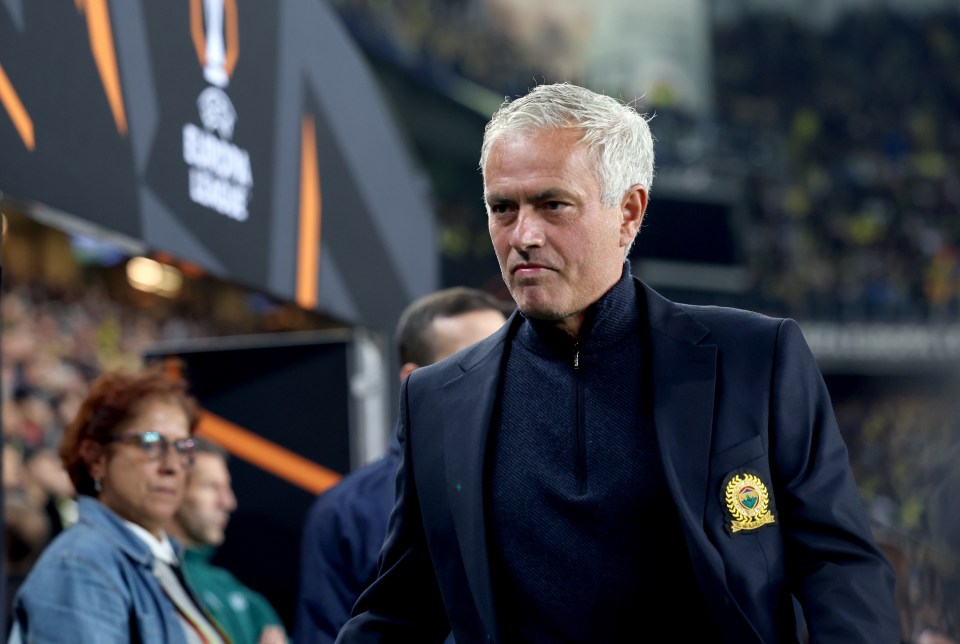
{"x": 150, "y": 276}
{"x": 143, "y": 272}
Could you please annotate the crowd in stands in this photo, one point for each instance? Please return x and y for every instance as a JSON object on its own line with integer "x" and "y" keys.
{"x": 903, "y": 442}
{"x": 438, "y": 41}
{"x": 857, "y": 219}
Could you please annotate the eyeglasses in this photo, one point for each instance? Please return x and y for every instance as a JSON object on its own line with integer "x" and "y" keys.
{"x": 156, "y": 446}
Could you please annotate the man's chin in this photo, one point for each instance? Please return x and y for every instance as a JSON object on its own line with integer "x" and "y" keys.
{"x": 537, "y": 311}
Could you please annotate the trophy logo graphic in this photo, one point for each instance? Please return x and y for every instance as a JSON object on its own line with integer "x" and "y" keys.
{"x": 215, "y": 31}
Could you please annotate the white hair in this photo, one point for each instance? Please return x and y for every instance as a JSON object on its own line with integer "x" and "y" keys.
{"x": 618, "y": 137}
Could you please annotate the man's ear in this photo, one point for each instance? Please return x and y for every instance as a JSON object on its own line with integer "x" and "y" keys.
{"x": 95, "y": 456}
{"x": 633, "y": 207}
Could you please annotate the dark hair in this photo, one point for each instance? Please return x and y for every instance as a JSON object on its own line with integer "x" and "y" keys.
{"x": 414, "y": 341}
{"x": 113, "y": 398}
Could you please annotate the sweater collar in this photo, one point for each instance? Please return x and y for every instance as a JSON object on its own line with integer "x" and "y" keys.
{"x": 608, "y": 322}
{"x": 201, "y": 554}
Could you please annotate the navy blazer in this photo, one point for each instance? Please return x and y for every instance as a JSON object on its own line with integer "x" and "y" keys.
{"x": 732, "y": 391}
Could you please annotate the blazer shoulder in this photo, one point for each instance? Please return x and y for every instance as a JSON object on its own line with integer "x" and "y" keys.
{"x": 696, "y": 324}
{"x": 726, "y": 322}
{"x": 750, "y": 335}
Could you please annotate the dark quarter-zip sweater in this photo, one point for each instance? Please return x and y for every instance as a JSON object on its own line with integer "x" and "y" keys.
{"x": 586, "y": 544}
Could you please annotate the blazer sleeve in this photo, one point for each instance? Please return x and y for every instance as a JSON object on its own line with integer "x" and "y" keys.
{"x": 344, "y": 532}
{"x": 326, "y": 593}
{"x": 841, "y": 579}
{"x": 404, "y": 603}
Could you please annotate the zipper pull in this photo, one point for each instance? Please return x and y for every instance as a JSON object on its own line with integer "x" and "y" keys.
{"x": 576, "y": 356}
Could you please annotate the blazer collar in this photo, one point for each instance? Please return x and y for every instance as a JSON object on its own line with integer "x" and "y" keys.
{"x": 683, "y": 371}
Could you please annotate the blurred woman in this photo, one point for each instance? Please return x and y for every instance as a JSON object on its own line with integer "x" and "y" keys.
{"x": 114, "y": 576}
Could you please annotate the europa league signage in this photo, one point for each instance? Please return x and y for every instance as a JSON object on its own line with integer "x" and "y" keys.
{"x": 245, "y": 136}
{"x": 220, "y": 174}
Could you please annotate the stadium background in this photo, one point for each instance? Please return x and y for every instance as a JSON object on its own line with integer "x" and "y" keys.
{"x": 807, "y": 166}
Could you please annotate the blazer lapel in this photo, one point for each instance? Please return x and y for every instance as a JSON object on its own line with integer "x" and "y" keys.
{"x": 683, "y": 373}
{"x": 683, "y": 376}
{"x": 468, "y": 403}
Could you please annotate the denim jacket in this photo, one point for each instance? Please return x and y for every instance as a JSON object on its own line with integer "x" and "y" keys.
{"x": 94, "y": 583}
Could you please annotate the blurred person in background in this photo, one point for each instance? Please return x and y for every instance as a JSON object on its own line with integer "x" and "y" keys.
{"x": 114, "y": 576}
{"x": 611, "y": 464}
{"x": 36, "y": 415}
{"x": 199, "y": 525}
{"x": 51, "y": 488}
{"x": 346, "y": 525}
{"x": 26, "y": 526}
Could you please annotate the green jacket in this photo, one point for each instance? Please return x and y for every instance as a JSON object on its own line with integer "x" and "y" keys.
{"x": 240, "y": 611}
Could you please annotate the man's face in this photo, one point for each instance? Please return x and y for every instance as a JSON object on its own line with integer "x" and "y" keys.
{"x": 208, "y": 502}
{"x": 560, "y": 249}
{"x": 460, "y": 331}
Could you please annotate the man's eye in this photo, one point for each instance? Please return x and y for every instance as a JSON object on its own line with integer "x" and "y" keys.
{"x": 499, "y": 208}
{"x": 553, "y": 205}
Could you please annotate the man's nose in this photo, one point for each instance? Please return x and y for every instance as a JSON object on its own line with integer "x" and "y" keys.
{"x": 228, "y": 501}
{"x": 528, "y": 232}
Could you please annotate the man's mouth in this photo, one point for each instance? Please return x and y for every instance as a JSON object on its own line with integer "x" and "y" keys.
{"x": 529, "y": 269}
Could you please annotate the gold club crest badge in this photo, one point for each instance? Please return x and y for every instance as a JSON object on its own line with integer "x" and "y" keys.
{"x": 748, "y": 502}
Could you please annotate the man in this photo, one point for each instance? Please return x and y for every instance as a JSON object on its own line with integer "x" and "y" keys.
{"x": 612, "y": 466}
{"x": 199, "y": 524}
{"x": 347, "y": 524}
